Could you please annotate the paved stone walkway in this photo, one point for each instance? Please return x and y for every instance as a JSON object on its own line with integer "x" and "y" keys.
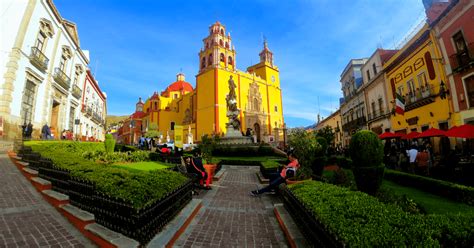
{"x": 26, "y": 219}
{"x": 230, "y": 217}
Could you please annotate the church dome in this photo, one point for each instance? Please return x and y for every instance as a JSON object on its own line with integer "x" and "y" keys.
{"x": 179, "y": 85}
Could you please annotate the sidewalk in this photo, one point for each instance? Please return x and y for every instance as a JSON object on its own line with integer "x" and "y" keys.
{"x": 26, "y": 219}
{"x": 230, "y": 217}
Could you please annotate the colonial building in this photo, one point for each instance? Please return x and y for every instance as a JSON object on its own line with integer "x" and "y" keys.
{"x": 203, "y": 108}
{"x": 375, "y": 91}
{"x": 94, "y": 110}
{"x": 416, "y": 73}
{"x": 454, "y": 29}
{"x": 353, "y": 111}
{"x": 333, "y": 121}
{"x": 43, "y": 68}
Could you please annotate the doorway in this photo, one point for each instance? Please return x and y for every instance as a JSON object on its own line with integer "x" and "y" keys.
{"x": 54, "y": 119}
{"x": 256, "y": 128}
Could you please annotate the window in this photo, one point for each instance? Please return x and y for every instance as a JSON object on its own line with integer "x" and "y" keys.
{"x": 381, "y": 108}
{"x": 368, "y": 75}
{"x": 175, "y": 96}
{"x": 374, "y": 68}
{"x": 226, "y": 44}
{"x": 373, "y": 109}
{"x": 209, "y": 61}
{"x": 222, "y": 57}
{"x": 411, "y": 86}
{"x": 41, "y": 41}
{"x": 470, "y": 90}
{"x": 221, "y": 43}
{"x": 63, "y": 63}
{"x": 71, "y": 118}
{"x": 459, "y": 42}
{"x": 203, "y": 63}
{"x": 156, "y": 106}
{"x": 222, "y": 31}
{"x": 230, "y": 60}
{"x": 400, "y": 90}
{"x": 422, "y": 80}
{"x": 28, "y": 101}
{"x": 276, "y": 108}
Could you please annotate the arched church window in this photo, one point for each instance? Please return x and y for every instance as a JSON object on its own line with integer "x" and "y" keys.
{"x": 226, "y": 44}
{"x": 221, "y": 43}
{"x": 203, "y": 63}
{"x": 210, "y": 59}
{"x": 207, "y": 45}
{"x": 222, "y": 31}
{"x": 230, "y": 60}
{"x": 222, "y": 58}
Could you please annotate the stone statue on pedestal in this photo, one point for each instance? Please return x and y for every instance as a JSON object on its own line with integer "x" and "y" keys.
{"x": 190, "y": 136}
{"x": 232, "y": 110}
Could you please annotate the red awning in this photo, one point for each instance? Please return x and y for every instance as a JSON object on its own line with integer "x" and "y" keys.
{"x": 389, "y": 135}
{"x": 411, "y": 135}
{"x": 432, "y": 132}
{"x": 463, "y": 131}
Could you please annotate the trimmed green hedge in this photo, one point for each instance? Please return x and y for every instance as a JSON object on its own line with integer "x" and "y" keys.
{"x": 243, "y": 150}
{"x": 360, "y": 220}
{"x": 140, "y": 188}
{"x": 271, "y": 164}
{"x": 450, "y": 190}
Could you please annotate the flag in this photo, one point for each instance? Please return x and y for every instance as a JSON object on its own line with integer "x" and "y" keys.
{"x": 399, "y": 105}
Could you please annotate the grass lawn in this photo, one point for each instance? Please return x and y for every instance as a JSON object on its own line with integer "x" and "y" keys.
{"x": 145, "y": 165}
{"x": 433, "y": 204}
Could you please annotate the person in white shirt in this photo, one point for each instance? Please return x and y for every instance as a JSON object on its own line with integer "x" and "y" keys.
{"x": 412, "y": 157}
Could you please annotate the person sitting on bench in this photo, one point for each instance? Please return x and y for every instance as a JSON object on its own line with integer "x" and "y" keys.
{"x": 198, "y": 169}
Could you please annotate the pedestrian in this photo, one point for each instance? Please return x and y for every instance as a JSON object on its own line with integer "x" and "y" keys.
{"x": 422, "y": 160}
{"x": 412, "y": 157}
{"x": 279, "y": 178}
{"x": 45, "y": 132}
{"x": 23, "y": 130}
{"x": 29, "y": 130}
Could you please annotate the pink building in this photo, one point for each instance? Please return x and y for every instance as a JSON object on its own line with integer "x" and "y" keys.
{"x": 454, "y": 29}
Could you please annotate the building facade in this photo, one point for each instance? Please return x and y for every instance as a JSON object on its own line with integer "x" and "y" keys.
{"x": 375, "y": 91}
{"x": 202, "y": 109}
{"x": 454, "y": 30}
{"x": 353, "y": 110}
{"x": 94, "y": 110}
{"x": 42, "y": 68}
{"x": 333, "y": 121}
{"x": 416, "y": 73}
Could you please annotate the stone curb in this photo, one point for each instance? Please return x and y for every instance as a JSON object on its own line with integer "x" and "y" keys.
{"x": 111, "y": 238}
{"x": 262, "y": 179}
{"x": 173, "y": 230}
{"x": 290, "y": 229}
{"x": 40, "y": 184}
{"x": 55, "y": 198}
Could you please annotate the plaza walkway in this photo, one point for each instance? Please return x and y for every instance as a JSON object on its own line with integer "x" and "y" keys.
{"x": 26, "y": 219}
{"x": 231, "y": 218}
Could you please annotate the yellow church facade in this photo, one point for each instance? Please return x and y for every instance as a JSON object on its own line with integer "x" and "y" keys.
{"x": 203, "y": 109}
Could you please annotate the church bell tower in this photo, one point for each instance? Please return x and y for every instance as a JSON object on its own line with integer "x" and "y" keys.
{"x": 217, "y": 51}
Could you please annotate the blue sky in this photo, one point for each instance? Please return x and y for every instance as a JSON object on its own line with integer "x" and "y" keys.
{"x": 138, "y": 47}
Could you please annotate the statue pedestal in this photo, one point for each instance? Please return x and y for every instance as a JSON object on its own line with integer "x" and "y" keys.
{"x": 234, "y": 136}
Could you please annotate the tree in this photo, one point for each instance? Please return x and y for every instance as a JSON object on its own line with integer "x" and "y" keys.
{"x": 152, "y": 131}
{"x": 327, "y": 133}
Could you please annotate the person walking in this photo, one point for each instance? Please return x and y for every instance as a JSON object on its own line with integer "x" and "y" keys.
{"x": 422, "y": 160}
{"x": 412, "y": 157}
{"x": 281, "y": 177}
{"x": 45, "y": 132}
{"x": 29, "y": 130}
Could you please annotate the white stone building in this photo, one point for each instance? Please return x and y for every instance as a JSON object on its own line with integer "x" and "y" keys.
{"x": 42, "y": 66}
{"x": 94, "y": 110}
{"x": 375, "y": 91}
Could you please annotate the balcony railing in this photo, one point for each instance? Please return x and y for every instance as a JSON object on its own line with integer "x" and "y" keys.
{"x": 89, "y": 111}
{"x": 420, "y": 97}
{"x": 38, "y": 59}
{"x": 97, "y": 118}
{"x": 76, "y": 91}
{"x": 462, "y": 60}
{"x": 377, "y": 114}
{"x": 354, "y": 124}
{"x": 61, "y": 78}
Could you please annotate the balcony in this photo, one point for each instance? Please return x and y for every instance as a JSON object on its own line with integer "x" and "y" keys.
{"x": 38, "y": 59}
{"x": 420, "y": 97}
{"x": 97, "y": 118}
{"x": 76, "y": 92}
{"x": 377, "y": 114}
{"x": 89, "y": 111}
{"x": 357, "y": 123}
{"x": 462, "y": 60}
{"x": 61, "y": 78}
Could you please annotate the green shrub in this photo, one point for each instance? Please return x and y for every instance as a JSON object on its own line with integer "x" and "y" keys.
{"x": 343, "y": 162}
{"x": 109, "y": 143}
{"x": 140, "y": 188}
{"x": 366, "y": 151}
{"x": 305, "y": 148}
{"x": 450, "y": 190}
{"x": 125, "y": 148}
{"x": 360, "y": 220}
{"x": 324, "y": 146}
{"x": 270, "y": 164}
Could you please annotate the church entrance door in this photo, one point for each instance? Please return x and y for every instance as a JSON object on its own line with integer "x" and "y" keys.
{"x": 54, "y": 119}
{"x": 256, "y": 128}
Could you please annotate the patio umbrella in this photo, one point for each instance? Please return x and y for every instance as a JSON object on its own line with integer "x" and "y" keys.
{"x": 432, "y": 132}
{"x": 463, "y": 131}
{"x": 389, "y": 135}
{"x": 411, "y": 135}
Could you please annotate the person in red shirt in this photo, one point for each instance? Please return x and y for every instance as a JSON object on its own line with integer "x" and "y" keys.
{"x": 281, "y": 177}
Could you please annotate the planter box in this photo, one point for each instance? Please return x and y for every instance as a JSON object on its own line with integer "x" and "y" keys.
{"x": 312, "y": 229}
